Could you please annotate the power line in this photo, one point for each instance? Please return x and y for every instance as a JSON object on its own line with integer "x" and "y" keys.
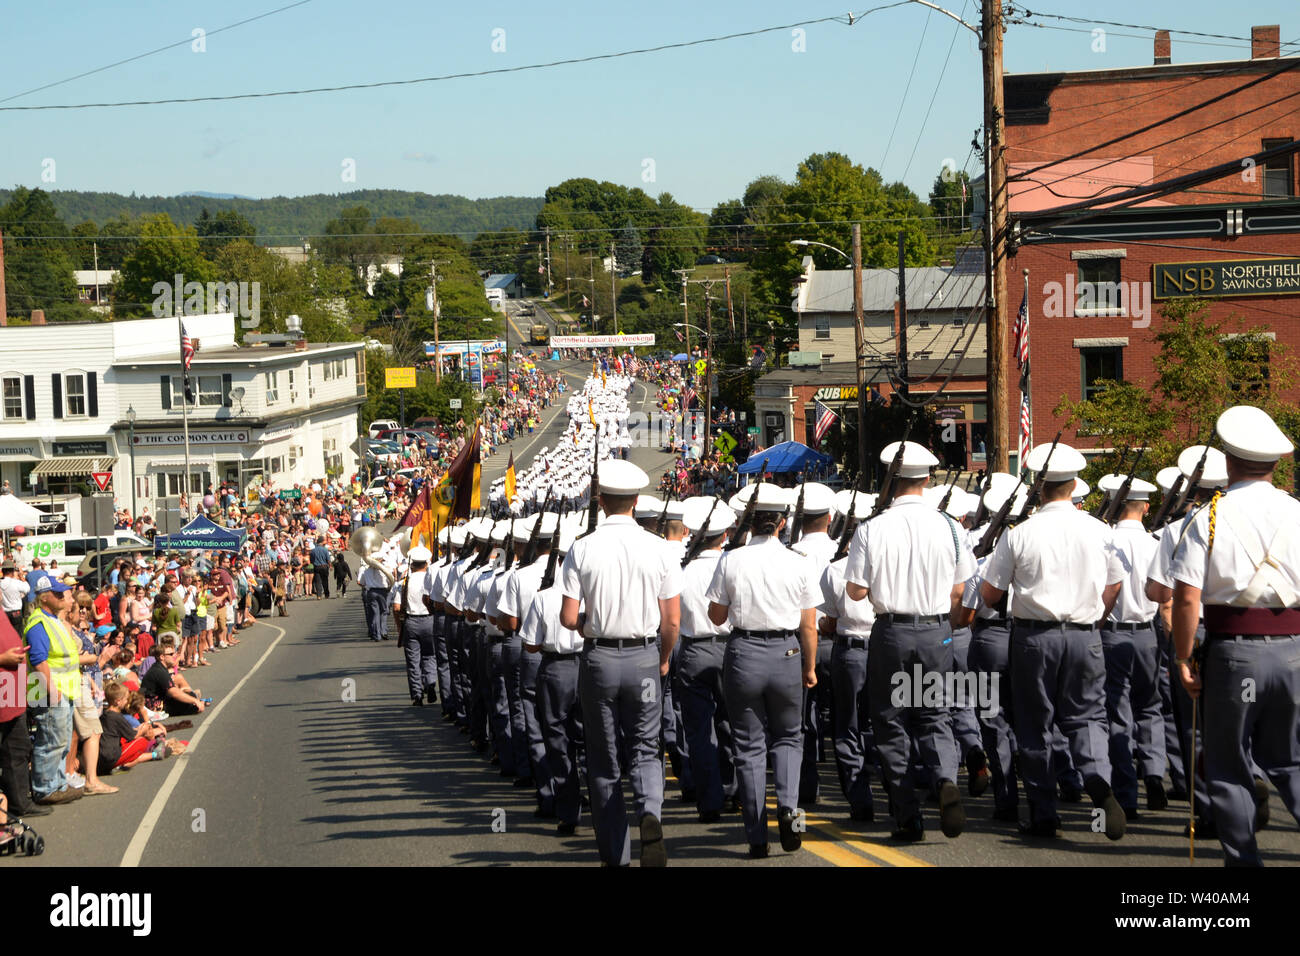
{"x": 141, "y": 56}
{"x": 907, "y": 88}
{"x": 1024, "y": 11}
{"x": 848, "y": 20}
{"x": 935, "y": 95}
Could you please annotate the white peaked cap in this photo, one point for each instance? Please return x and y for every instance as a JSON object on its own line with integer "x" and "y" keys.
{"x": 1166, "y": 477}
{"x": 697, "y": 511}
{"x": 917, "y": 459}
{"x": 1066, "y": 462}
{"x": 1249, "y": 433}
{"x": 1081, "y": 490}
{"x": 647, "y": 506}
{"x": 619, "y": 477}
{"x": 1001, "y": 486}
{"x": 771, "y": 497}
{"x": 1215, "y": 472}
{"x": 817, "y": 499}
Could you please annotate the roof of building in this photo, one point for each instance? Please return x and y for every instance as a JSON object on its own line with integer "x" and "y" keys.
{"x": 500, "y": 280}
{"x": 839, "y": 373}
{"x": 92, "y": 277}
{"x": 960, "y": 286}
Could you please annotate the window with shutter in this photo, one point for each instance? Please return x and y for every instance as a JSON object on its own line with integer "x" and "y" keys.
{"x": 56, "y": 385}
{"x": 166, "y": 392}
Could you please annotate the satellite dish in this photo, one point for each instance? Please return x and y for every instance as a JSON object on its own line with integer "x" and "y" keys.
{"x": 237, "y": 393}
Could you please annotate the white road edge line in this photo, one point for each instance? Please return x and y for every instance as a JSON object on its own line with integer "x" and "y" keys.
{"x": 135, "y": 849}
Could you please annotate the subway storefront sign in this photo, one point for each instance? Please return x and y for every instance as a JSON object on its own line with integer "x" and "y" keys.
{"x": 1230, "y": 277}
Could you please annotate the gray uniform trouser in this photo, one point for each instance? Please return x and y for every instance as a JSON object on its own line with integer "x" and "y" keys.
{"x": 375, "y": 603}
{"x": 560, "y": 713}
{"x": 512, "y": 660}
{"x": 417, "y": 645}
{"x": 855, "y": 749}
{"x": 704, "y": 715}
{"x": 529, "y": 668}
{"x": 1190, "y": 739}
{"x": 1240, "y": 734}
{"x": 674, "y": 730}
{"x": 990, "y": 653}
{"x": 817, "y": 720}
{"x": 1137, "y": 727}
{"x": 492, "y": 674}
{"x": 1058, "y": 675}
{"x": 965, "y": 725}
{"x": 476, "y": 654}
{"x": 898, "y": 721}
{"x": 1169, "y": 707}
{"x": 762, "y": 679}
{"x": 457, "y": 665}
{"x": 442, "y": 655}
{"x": 619, "y": 689}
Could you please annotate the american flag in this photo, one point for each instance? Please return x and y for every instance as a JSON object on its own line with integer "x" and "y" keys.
{"x": 678, "y": 334}
{"x": 584, "y": 301}
{"x": 688, "y": 396}
{"x": 1021, "y": 331}
{"x": 825, "y": 418}
{"x": 187, "y": 348}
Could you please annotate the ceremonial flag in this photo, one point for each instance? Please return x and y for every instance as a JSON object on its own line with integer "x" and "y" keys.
{"x": 825, "y": 418}
{"x": 602, "y": 379}
{"x": 187, "y": 356}
{"x": 456, "y": 494}
{"x": 688, "y": 396}
{"x": 1021, "y": 332}
{"x": 510, "y": 485}
{"x": 679, "y": 335}
{"x": 584, "y": 301}
{"x": 591, "y": 415}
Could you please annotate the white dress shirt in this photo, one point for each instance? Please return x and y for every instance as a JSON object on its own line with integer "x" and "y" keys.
{"x": 540, "y": 625}
{"x": 456, "y": 581}
{"x": 766, "y": 585}
{"x": 621, "y": 572}
{"x": 371, "y": 578}
{"x": 1060, "y": 559}
{"x": 521, "y": 589}
{"x": 852, "y": 618}
{"x": 1135, "y": 549}
{"x": 909, "y": 558}
{"x": 696, "y": 578}
{"x": 972, "y": 599}
{"x": 1170, "y": 538}
{"x": 12, "y": 592}
{"x": 819, "y": 547}
{"x": 1253, "y": 519}
{"x": 410, "y": 591}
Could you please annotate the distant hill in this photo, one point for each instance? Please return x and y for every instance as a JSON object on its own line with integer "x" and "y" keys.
{"x": 280, "y": 220}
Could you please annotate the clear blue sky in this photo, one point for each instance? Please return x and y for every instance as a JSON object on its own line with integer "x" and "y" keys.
{"x": 711, "y": 117}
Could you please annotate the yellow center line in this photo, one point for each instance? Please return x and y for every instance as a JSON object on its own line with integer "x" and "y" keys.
{"x": 824, "y": 828}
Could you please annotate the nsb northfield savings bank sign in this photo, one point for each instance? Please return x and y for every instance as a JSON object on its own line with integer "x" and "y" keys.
{"x": 1232, "y": 277}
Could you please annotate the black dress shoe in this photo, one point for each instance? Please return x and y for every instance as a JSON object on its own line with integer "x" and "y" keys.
{"x": 565, "y": 829}
{"x": 732, "y": 805}
{"x": 1104, "y": 798}
{"x": 33, "y": 811}
{"x": 1070, "y": 794}
{"x": 478, "y": 746}
{"x": 1177, "y": 794}
{"x": 431, "y": 695}
{"x": 978, "y": 777}
{"x": 1156, "y": 798}
{"x": 710, "y": 816}
{"x": 448, "y": 718}
{"x": 1042, "y": 829}
{"x": 675, "y": 761}
{"x": 1131, "y": 814}
{"x": 1006, "y": 815}
{"x": 544, "y": 813}
{"x": 952, "y": 815}
{"x": 1261, "y": 804}
{"x": 522, "y": 783}
{"x": 653, "y": 851}
{"x": 464, "y": 729}
{"x": 865, "y": 814}
{"x": 913, "y": 831}
{"x": 495, "y": 761}
{"x": 1205, "y": 829}
{"x": 417, "y": 701}
{"x": 758, "y": 851}
{"x": 790, "y": 839}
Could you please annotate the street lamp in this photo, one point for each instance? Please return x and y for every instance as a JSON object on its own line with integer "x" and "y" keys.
{"x": 130, "y": 420}
{"x": 811, "y": 242}
{"x": 708, "y": 383}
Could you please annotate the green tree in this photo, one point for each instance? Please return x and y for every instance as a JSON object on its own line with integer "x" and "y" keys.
{"x": 38, "y": 261}
{"x": 165, "y": 251}
{"x": 215, "y": 232}
{"x": 628, "y": 249}
{"x": 950, "y": 198}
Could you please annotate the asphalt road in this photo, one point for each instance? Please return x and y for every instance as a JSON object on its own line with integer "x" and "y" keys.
{"x": 313, "y": 755}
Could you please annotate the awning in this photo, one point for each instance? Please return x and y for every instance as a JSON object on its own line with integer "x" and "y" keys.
{"x": 67, "y": 467}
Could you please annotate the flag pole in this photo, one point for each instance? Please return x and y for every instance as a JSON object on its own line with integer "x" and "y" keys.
{"x": 1029, "y": 391}
{"x": 185, "y": 414}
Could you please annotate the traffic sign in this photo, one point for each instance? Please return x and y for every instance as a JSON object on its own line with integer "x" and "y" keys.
{"x": 701, "y": 366}
{"x": 454, "y": 403}
{"x": 751, "y": 430}
{"x": 399, "y": 377}
{"x": 102, "y": 479}
{"x": 290, "y": 494}
{"x": 725, "y": 443}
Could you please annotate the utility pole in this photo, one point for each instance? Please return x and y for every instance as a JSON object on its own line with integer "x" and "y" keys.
{"x": 708, "y": 367}
{"x": 731, "y": 316}
{"x": 436, "y": 309}
{"x": 744, "y": 324}
{"x": 686, "y": 318}
{"x": 859, "y": 358}
{"x": 902, "y": 315}
{"x": 548, "y": 264}
{"x": 995, "y": 234}
{"x": 613, "y": 286}
{"x": 591, "y": 272}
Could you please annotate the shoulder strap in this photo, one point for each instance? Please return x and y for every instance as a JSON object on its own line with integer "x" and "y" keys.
{"x": 956, "y": 543}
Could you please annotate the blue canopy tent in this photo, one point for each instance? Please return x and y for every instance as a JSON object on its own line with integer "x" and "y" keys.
{"x": 786, "y": 457}
{"x": 201, "y": 534}
{"x": 681, "y": 357}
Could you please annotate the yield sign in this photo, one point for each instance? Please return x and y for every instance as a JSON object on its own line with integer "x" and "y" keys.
{"x": 102, "y": 479}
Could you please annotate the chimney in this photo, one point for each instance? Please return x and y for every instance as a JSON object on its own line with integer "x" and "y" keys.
{"x": 1162, "y": 47}
{"x": 1265, "y": 42}
{"x": 38, "y": 316}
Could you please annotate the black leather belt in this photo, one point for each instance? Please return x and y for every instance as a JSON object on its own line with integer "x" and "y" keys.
{"x": 911, "y": 618}
{"x": 762, "y": 635}
{"x": 1138, "y": 626}
{"x": 622, "y": 641}
{"x": 558, "y": 655}
{"x": 854, "y": 643}
{"x": 992, "y": 621}
{"x": 1066, "y": 625}
{"x": 714, "y": 639}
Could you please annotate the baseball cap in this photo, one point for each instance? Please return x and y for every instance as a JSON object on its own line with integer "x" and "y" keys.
{"x": 46, "y": 583}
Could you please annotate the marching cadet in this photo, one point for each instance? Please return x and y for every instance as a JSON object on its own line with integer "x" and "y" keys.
{"x": 1240, "y": 557}
{"x": 912, "y": 564}
{"x": 847, "y": 625}
{"x": 699, "y": 665}
{"x": 815, "y": 544}
{"x": 492, "y": 676}
{"x": 630, "y": 585}
{"x": 374, "y": 598}
{"x": 674, "y": 732}
{"x": 1132, "y": 655}
{"x": 559, "y": 709}
{"x": 512, "y": 653}
{"x": 412, "y": 602}
{"x": 441, "y": 649}
{"x": 770, "y": 595}
{"x": 456, "y": 700}
{"x": 1066, "y": 577}
{"x": 476, "y": 537}
{"x": 518, "y": 594}
{"x": 1165, "y": 480}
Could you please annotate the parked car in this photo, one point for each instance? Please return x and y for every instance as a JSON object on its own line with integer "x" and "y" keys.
{"x": 377, "y": 488}
{"x": 710, "y": 261}
{"x": 381, "y": 425}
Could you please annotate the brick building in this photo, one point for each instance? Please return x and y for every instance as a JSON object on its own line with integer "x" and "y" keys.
{"x": 1095, "y": 285}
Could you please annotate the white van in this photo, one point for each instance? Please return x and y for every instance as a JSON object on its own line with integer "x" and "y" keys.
{"x": 73, "y": 548}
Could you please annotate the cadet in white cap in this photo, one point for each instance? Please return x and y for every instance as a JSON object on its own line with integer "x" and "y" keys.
{"x": 912, "y": 564}
{"x": 629, "y": 584}
{"x": 1240, "y": 558}
{"x": 710, "y": 750}
{"x": 1066, "y": 578}
{"x": 667, "y": 522}
{"x": 491, "y": 671}
{"x": 454, "y": 701}
{"x": 1132, "y": 654}
{"x": 412, "y": 603}
{"x": 770, "y": 596}
{"x": 812, "y": 540}
{"x": 512, "y": 652}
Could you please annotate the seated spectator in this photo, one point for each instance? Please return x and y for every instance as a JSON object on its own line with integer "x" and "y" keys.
{"x": 160, "y": 689}
{"x": 126, "y": 744}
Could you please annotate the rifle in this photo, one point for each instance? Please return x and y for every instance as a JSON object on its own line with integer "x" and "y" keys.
{"x": 850, "y": 526}
{"x": 548, "y": 575}
{"x": 999, "y": 521}
{"x": 947, "y": 495}
{"x": 530, "y": 553}
{"x": 508, "y": 549}
{"x": 891, "y": 476}
{"x": 1104, "y": 505}
{"x": 661, "y": 525}
{"x": 798, "y": 510}
{"x": 747, "y": 516}
{"x": 1036, "y": 489}
{"x": 1194, "y": 482}
{"x": 697, "y": 539}
{"x": 1121, "y": 493}
{"x": 980, "y": 488}
{"x": 593, "y": 507}
{"x": 1166, "y": 505}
